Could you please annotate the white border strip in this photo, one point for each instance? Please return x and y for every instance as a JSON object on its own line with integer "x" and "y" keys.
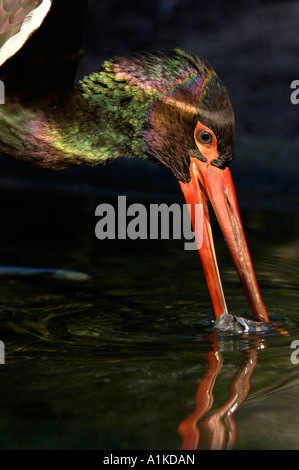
{"x": 32, "y": 22}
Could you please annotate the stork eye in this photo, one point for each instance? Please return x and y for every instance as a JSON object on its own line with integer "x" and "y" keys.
{"x": 204, "y": 137}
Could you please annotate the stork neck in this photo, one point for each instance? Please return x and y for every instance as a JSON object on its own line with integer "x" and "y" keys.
{"x": 69, "y": 128}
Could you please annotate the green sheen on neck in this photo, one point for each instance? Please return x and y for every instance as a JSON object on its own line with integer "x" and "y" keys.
{"x": 100, "y": 121}
{"x": 122, "y": 107}
{"x": 109, "y": 113}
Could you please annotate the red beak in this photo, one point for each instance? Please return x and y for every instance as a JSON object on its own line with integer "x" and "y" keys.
{"x": 210, "y": 182}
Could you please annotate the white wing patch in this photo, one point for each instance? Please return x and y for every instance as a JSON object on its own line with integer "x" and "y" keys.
{"x": 31, "y": 22}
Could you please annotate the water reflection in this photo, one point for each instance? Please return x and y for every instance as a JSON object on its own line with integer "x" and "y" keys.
{"x": 219, "y": 431}
{"x": 139, "y": 325}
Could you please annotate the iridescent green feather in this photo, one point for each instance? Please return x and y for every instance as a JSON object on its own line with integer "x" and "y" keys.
{"x": 107, "y": 113}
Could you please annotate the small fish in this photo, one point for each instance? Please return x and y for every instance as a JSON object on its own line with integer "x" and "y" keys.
{"x": 233, "y": 324}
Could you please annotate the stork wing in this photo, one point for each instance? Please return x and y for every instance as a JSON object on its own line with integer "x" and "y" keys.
{"x": 18, "y": 20}
{"x": 42, "y": 40}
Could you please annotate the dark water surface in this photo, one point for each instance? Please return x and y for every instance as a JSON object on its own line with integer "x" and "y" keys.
{"x": 126, "y": 357}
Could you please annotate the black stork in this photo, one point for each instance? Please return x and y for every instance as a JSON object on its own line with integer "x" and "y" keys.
{"x": 169, "y": 107}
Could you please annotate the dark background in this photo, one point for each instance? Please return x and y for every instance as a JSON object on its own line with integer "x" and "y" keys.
{"x": 117, "y": 360}
{"x": 254, "y": 48}
{"x": 252, "y": 45}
